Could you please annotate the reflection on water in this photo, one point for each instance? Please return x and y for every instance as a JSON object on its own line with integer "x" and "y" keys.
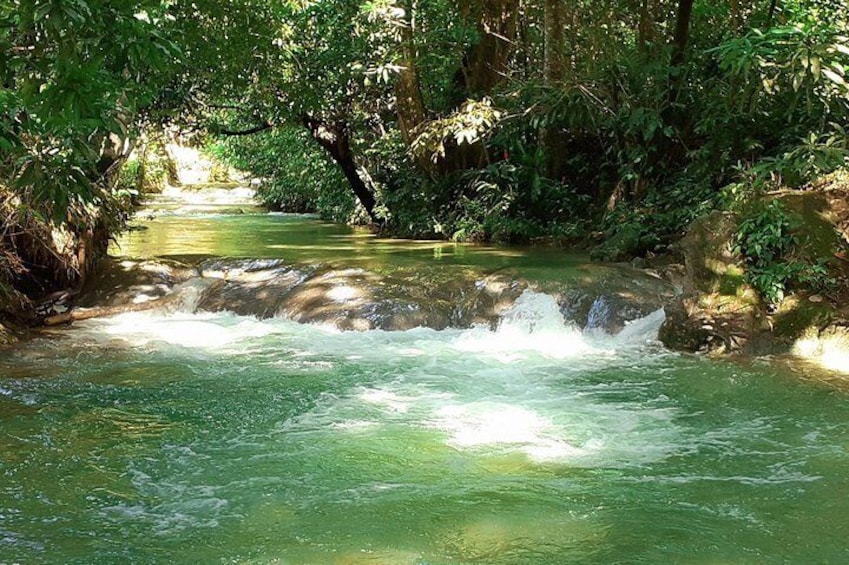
{"x": 298, "y": 238}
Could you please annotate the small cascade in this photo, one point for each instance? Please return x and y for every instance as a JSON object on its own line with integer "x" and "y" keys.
{"x": 599, "y": 314}
{"x": 642, "y": 330}
{"x": 189, "y": 294}
{"x": 535, "y": 324}
{"x": 532, "y": 313}
{"x": 515, "y": 317}
{"x": 217, "y": 198}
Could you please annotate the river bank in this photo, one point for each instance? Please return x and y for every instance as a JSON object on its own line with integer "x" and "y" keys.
{"x": 720, "y": 313}
{"x": 699, "y": 283}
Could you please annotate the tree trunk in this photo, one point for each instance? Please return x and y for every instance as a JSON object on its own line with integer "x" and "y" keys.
{"x": 335, "y": 139}
{"x": 409, "y": 104}
{"x": 486, "y": 63}
{"x": 734, "y": 10}
{"x": 682, "y": 32}
{"x": 553, "y": 54}
{"x": 645, "y": 35}
{"x": 551, "y": 140}
{"x": 679, "y": 47}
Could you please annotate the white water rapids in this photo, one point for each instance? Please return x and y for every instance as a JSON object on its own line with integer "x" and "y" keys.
{"x": 482, "y": 390}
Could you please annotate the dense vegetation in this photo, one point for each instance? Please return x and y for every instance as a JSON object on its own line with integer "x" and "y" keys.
{"x": 512, "y": 119}
{"x": 75, "y": 77}
{"x": 618, "y": 121}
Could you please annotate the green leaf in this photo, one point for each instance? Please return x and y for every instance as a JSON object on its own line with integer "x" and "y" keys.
{"x": 834, "y": 77}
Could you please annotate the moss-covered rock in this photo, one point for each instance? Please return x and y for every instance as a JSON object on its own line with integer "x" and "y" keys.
{"x": 718, "y": 307}
{"x": 709, "y": 255}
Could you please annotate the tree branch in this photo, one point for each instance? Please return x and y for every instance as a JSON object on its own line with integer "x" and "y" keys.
{"x": 250, "y": 131}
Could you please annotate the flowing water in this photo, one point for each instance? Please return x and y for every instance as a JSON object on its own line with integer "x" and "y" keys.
{"x": 192, "y": 437}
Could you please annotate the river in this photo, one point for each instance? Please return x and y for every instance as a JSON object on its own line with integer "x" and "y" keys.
{"x": 211, "y": 437}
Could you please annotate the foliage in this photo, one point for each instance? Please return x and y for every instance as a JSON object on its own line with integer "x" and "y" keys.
{"x": 73, "y": 74}
{"x": 74, "y": 78}
{"x": 766, "y": 240}
{"x": 467, "y": 126}
{"x": 497, "y": 120}
{"x": 304, "y": 181}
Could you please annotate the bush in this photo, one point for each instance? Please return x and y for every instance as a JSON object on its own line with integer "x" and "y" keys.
{"x": 769, "y": 248}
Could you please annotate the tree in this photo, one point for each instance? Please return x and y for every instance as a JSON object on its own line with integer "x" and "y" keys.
{"x": 74, "y": 76}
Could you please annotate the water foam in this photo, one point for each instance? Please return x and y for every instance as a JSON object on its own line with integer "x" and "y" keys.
{"x": 535, "y": 324}
{"x": 477, "y": 390}
{"x": 486, "y": 424}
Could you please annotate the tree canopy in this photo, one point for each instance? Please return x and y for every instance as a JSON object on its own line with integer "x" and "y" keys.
{"x": 478, "y": 119}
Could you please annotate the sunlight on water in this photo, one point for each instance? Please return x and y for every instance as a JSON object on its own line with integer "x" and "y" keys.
{"x": 493, "y": 406}
{"x": 207, "y": 438}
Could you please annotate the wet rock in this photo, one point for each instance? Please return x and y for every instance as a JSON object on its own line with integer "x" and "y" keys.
{"x": 618, "y": 297}
{"x": 251, "y": 287}
{"x": 356, "y": 299}
{"x": 122, "y": 282}
{"x": 359, "y": 300}
{"x": 681, "y": 332}
{"x": 236, "y": 268}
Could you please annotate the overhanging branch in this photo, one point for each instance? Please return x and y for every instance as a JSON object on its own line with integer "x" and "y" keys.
{"x": 250, "y": 131}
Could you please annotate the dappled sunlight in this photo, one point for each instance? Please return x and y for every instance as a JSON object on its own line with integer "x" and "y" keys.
{"x": 830, "y": 351}
{"x": 480, "y": 425}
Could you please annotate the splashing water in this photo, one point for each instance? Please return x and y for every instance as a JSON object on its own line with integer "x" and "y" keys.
{"x": 187, "y": 437}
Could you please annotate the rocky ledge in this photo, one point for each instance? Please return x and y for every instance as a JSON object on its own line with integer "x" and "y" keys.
{"x": 357, "y": 299}
{"x": 717, "y": 312}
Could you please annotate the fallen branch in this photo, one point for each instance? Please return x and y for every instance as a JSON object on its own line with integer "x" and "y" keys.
{"x": 103, "y": 311}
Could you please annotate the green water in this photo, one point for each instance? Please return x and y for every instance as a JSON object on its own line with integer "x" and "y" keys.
{"x": 214, "y": 438}
{"x": 304, "y": 239}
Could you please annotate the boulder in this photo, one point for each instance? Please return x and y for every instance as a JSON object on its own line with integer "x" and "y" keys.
{"x": 709, "y": 257}
{"x": 124, "y": 282}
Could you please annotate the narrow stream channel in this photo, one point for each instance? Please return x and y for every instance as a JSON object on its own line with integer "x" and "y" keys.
{"x": 197, "y": 437}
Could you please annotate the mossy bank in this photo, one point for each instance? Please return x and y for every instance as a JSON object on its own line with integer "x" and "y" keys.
{"x": 729, "y": 302}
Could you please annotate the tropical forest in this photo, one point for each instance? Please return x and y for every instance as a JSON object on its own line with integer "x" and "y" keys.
{"x": 413, "y": 282}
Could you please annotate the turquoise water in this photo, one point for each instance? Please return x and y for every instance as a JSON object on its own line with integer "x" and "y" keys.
{"x": 214, "y": 438}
